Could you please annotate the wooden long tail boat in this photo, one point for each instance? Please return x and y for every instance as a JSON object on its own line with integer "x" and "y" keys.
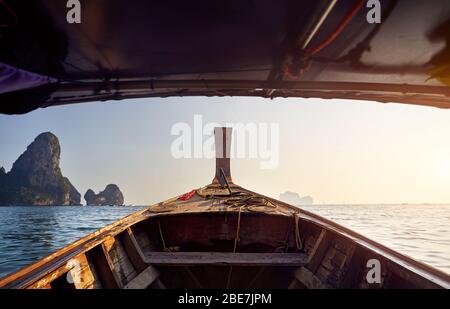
{"x": 224, "y": 236}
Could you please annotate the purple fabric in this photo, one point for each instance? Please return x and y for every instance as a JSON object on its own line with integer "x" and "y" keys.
{"x": 13, "y": 79}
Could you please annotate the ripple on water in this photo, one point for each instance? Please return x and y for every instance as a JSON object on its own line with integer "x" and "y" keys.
{"x": 420, "y": 231}
{"x": 30, "y": 233}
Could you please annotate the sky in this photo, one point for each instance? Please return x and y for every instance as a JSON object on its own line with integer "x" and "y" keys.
{"x": 338, "y": 152}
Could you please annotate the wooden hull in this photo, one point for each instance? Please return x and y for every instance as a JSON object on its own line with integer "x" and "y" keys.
{"x": 223, "y": 241}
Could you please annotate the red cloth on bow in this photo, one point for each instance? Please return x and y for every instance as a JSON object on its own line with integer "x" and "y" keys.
{"x": 188, "y": 195}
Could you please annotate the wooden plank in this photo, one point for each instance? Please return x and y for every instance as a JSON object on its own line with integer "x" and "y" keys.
{"x": 82, "y": 278}
{"x": 309, "y": 243}
{"x": 143, "y": 241}
{"x": 317, "y": 254}
{"x": 308, "y": 279}
{"x": 334, "y": 260}
{"x": 323, "y": 273}
{"x": 84, "y": 275}
{"x": 355, "y": 266}
{"x": 102, "y": 268}
{"x": 106, "y": 246}
{"x": 41, "y": 283}
{"x": 144, "y": 279}
{"x": 133, "y": 250}
{"x": 122, "y": 264}
{"x": 47, "y": 287}
{"x": 220, "y": 258}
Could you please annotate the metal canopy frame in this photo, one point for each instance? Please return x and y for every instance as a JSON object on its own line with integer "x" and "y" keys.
{"x": 438, "y": 96}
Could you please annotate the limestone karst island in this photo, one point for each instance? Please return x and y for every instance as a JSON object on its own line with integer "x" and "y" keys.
{"x": 36, "y": 179}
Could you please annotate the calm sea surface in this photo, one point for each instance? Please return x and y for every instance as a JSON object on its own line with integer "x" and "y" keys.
{"x": 420, "y": 231}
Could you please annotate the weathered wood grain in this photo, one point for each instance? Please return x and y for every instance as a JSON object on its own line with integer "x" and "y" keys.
{"x": 219, "y": 258}
{"x": 144, "y": 279}
{"x": 308, "y": 279}
{"x": 133, "y": 250}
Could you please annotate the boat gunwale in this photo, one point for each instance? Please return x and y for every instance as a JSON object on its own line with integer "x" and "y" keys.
{"x": 89, "y": 241}
{"x": 68, "y": 251}
{"x": 30, "y": 274}
{"x": 369, "y": 243}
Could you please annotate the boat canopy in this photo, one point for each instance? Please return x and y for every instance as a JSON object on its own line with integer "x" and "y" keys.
{"x": 265, "y": 48}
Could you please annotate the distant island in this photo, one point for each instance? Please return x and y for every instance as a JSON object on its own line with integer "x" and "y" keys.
{"x": 110, "y": 196}
{"x": 35, "y": 179}
{"x": 294, "y": 199}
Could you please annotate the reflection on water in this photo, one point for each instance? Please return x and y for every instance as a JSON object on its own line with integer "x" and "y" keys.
{"x": 420, "y": 231}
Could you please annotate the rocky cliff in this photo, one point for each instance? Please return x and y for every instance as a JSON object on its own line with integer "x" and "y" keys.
{"x": 110, "y": 196}
{"x": 294, "y": 199}
{"x": 36, "y": 178}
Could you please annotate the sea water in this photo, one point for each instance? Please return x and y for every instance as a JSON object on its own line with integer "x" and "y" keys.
{"x": 419, "y": 231}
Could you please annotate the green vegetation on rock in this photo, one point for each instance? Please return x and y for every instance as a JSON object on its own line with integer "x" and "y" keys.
{"x": 36, "y": 178}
